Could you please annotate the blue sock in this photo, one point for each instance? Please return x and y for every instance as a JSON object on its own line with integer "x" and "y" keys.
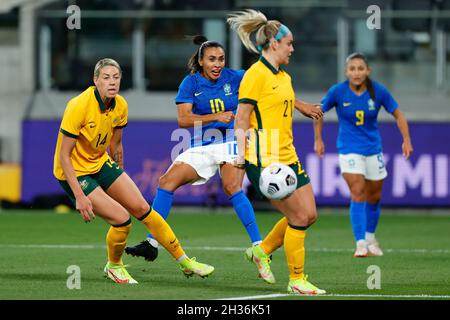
{"x": 372, "y": 215}
{"x": 162, "y": 203}
{"x": 245, "y": 212}
{"x": 358, "y": 219}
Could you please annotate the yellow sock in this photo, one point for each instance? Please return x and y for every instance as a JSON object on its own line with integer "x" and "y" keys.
{"x": 116, "y": 240}
{"x": 162, "y": 232}
{"x": 294, "y": 246}
{"x": 275, "y": 238}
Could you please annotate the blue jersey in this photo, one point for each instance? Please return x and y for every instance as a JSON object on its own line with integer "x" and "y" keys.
{"x": 357, "y": 115}
{"x": 209, "y": 97}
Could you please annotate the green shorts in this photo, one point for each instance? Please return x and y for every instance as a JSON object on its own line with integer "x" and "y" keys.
{"x": 108, "y": 173}
{"x": 254, "y": 172}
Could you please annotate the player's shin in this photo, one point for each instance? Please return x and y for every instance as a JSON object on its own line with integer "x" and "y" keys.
{"x": 294, "y": 245}
{"x": 246, "y": 214}
{"x": 162, "y": 203}
{"x": 358, "y": 219}
{"x": 116, "y": 240}
{"x": 372, "y": 216}
{"x": 162, "y": 232}
{"x": 275, "y": 238}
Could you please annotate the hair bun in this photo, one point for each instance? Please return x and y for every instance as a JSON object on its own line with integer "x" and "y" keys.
{"x": 199, "y": 39}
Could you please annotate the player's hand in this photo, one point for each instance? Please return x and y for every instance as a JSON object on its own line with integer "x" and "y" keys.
{"x": 225, "y": 117}
{"x": 319, "y": 148}
{"x": 84, "y": 206}
{"x": 407, "y": 149}
{"x": 311, "y": 110}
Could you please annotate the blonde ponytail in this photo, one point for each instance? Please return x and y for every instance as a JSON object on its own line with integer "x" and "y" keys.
{"x": 248, "y": 21}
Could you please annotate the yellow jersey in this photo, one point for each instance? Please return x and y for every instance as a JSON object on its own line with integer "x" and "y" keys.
{"x": 87, "y": 119}
{"x": 270, "y": 92}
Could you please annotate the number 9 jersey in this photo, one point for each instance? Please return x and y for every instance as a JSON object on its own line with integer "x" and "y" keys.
{"x": 357, "y": 115}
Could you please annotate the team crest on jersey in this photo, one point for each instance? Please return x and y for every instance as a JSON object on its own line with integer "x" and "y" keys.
{"x": 84, "y": 184}
{"x": 371, "y": 104}
{"x": 227, "y": 89}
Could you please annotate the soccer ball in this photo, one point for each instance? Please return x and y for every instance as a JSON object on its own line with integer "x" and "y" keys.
{"x": 277, "y": 181}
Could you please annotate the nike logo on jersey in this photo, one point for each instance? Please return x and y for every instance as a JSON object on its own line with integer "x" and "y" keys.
{"x": 274, "y": 87}
{"x": 346, "y": 104}
{"x": 197, "y": 93}
{"x": 173, "y": 241}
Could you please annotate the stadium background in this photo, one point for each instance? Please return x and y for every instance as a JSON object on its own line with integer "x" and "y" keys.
{"x": 46, "y": 58}
{"x": 43, "y": 64}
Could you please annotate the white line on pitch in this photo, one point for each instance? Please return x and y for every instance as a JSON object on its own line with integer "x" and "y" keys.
{"x": 279, "y": 295}
{"x": 209, "y": 248}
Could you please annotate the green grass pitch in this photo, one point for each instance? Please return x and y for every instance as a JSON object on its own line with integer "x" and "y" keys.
{"x": 37, "y": 247}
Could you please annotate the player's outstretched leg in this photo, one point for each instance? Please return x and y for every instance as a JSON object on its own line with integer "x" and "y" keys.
{"x": 246, "y": 214}
{"x": 148, "y": 249}
{"x": 162, "y": 232}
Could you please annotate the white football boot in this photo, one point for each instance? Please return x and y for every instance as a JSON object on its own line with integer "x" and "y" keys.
{"x": 373, "y": 248}
{"x": 361, "y": 249}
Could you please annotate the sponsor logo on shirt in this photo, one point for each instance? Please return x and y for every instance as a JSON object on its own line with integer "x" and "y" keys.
{"x": 346, "y": 104}
{"x": 371, "y": 104}
{"x": 197, "y": 93}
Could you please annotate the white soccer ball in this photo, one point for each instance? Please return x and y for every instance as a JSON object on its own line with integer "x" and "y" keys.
{"x": 277, "y": 181}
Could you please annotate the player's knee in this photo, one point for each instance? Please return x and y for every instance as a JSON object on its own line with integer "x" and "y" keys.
{"x": 304, "y": 218}
{"x": 299, "y": 219}
{"x": 163, "y": 181}
{"x": 358, "y": 194}
{"x": 374, "y": 197}
{"x": 122, "y": 219}
{"x": 139, "y": 209}
{"x": 312, "y": 218}
{"x": 168, "y": 182}
{"x": 231, "y": 188}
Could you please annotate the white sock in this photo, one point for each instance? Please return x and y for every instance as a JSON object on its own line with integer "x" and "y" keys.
{"x": 370, "y": 236}
{"x": 183, "y": 257}
{"x": 153, "y": 242}
{"x": 256, "y": 243}
{"x": 362, "y": 241}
